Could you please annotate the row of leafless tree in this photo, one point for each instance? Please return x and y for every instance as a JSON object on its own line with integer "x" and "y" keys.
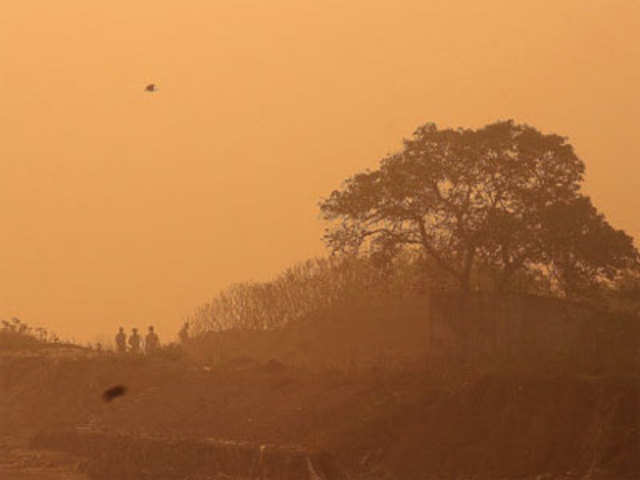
{"x": 313, "y": 288}
{"x": 304, "y": 290}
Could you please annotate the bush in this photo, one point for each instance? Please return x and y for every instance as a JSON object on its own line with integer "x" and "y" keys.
{"x": 15, "y": 334}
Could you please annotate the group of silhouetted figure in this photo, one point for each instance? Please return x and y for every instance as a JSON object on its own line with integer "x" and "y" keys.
{"x": 134, "y": 342}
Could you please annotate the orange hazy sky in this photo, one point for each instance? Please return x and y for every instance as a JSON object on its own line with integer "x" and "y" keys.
{"x": 120, "y": 207}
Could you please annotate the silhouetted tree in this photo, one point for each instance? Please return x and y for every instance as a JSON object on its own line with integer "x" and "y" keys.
{"x": 582, "y": 248}
{"x": 498, "y": 197}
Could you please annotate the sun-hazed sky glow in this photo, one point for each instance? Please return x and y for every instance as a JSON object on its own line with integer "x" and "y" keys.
{"x": 121, "y": 207}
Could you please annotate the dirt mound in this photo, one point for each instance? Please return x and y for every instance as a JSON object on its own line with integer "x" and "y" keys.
{"x": 511, "y": 427}
{"x": 413, "y": 425}
{"x": 480, "y": 329}
{"x": 523, "y": 392}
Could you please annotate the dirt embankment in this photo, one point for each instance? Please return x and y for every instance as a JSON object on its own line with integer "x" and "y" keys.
{"x": 510, "y": 408}
{"x": 413, "y": 423}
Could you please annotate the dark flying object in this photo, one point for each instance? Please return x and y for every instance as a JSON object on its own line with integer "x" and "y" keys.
{"x": 114, "y": 392}
{"x": 151, "y": 88}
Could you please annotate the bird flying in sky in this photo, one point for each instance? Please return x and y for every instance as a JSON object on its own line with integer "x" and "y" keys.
{"x": 151, "y": 88}
{"x": 114, "y": 392}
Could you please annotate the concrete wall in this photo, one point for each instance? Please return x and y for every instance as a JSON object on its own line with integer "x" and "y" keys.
{"x": 529, "y": 327}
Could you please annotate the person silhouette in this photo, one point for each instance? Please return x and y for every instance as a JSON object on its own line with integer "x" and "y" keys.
{"x": 151, "y": 341}
{"x": 134, "y": 341}
{"x": 183, "y": 335}
{"x": 121, "y": 341}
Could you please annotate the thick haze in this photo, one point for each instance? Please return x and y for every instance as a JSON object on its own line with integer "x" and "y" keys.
{"x": 121, "y": 207}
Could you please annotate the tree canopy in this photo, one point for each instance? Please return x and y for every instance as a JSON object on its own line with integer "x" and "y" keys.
{"x": 505, "y": 197}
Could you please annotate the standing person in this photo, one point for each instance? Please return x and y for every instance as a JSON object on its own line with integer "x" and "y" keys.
{"x": 184, "y": 333}
{"x": 151, "y": 341}
{"x": 134, "y": 341}
{"x": 121, "y": 341}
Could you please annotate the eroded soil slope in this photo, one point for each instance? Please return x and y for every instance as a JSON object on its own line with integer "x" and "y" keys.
{"x": 412, "y": 422}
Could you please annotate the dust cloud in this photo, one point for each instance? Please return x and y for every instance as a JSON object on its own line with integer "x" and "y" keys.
{"x": 319, "y": 240}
